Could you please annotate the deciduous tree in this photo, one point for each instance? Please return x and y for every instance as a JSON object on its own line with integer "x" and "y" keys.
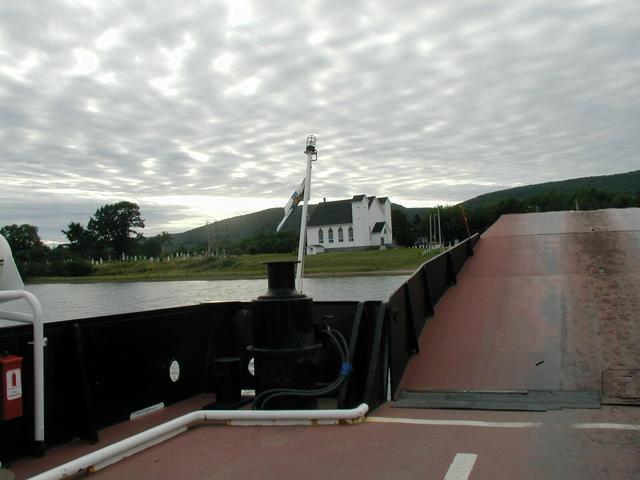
{"x": 113, "y": 225}
{"x": 151, "y": 247}
{"x": 81, "y": 240}
{"x": 401, "y": 227}
{"x": 21, "y": 237}
{"x": 163, "y": 238}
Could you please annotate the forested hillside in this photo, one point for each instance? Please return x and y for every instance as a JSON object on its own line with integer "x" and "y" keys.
{"x": 231, "y": 230}
{"x": 255, "y": 232}
{"x": 619, "y": 184}
{"x": 111, "y": 233}
{"x": 226, "y": 232}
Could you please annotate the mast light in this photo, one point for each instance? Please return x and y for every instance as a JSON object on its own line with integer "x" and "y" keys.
{"x": 311, "y": 144}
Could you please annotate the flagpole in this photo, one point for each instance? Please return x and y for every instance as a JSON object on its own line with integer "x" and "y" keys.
{"x": 311, "y": 153}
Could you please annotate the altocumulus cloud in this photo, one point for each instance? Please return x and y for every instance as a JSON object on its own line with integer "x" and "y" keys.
{"x": 200, "y": 111}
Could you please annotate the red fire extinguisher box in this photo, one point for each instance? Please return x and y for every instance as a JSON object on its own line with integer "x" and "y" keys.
{"x": 11, "y": 380}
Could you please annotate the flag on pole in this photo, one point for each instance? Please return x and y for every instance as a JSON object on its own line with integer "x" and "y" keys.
{"x": 296, "y": 198}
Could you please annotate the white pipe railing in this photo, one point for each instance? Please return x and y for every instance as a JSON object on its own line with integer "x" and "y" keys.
{"x": 37, "y": 321}
{"x": 113, "y": 453}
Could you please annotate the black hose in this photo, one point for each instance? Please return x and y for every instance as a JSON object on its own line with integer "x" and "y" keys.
{"x": 309, "y": 393}
{"x": 342, "y": 348}
{"x": 261, "y": 399}
{"x": 345, "y": 345}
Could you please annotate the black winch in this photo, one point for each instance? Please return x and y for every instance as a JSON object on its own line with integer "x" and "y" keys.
{"x": 284, "y": 343}
{"x": 285, "y": 347}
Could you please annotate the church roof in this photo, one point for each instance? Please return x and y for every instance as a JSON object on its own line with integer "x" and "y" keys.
{"x": 378, "y": 227}
{"x": 331, "y": 213}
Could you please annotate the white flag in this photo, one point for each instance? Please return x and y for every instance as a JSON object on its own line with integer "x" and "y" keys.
{"x": 296, "y": 198}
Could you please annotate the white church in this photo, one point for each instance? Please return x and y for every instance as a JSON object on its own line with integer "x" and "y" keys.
{"x": 355, "y": 224}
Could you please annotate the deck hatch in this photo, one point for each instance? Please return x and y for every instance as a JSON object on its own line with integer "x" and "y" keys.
{"x": 621, "y": 387}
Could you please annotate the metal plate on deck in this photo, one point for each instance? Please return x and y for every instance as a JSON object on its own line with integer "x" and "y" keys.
{"x": 621, "y": 387}
{"x": 530, "y": 400}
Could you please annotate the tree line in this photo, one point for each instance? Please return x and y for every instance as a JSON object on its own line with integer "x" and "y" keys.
{"x": 112, "y": 232}
{"x": 409, "y": 231}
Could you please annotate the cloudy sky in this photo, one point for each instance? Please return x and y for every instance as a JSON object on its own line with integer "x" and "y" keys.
{"x": 199, "y": 110}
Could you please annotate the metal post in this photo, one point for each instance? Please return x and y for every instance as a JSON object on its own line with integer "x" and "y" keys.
{"x": 439, "y": 229}
{"x": 36, "y": 319}
{"x": 311, "y": 152}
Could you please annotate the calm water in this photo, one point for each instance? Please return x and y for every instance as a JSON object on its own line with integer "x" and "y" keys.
{"x": 63, "y": 301}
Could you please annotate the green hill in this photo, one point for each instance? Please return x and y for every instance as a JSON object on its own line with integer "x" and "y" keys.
{"x": 242, "y": 227}
{"x": 236, "y": 228}
{"x": 410, "y": 213}
{"x": 264, "y": 222}
{"x": 621, "y": 183}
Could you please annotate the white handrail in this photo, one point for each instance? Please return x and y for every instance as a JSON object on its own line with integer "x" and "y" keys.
{"x": 124, "y": 448}
{"x": 36, "y": 320}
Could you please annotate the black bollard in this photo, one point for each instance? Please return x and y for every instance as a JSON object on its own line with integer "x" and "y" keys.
{"x": 284, "y": 344}
{"x": 227, "y": 373}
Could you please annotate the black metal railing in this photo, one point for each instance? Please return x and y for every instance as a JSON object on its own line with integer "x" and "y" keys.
{"x": 409, "y": 307}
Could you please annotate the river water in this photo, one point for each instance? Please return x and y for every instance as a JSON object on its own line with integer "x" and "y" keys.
{"x": 64, "y": 301}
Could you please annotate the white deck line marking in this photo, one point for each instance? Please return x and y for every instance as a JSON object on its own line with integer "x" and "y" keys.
{"x": 453, "y": 423}
{"x": 461, "y": 467}
{"x": 609, "y": 426}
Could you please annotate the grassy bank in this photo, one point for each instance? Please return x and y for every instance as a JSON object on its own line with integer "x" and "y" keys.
{"x": 399, "y": 260}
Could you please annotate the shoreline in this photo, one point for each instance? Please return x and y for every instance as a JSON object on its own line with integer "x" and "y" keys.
{"x": 248, "y": 276}
{"x": 398, "y": 261}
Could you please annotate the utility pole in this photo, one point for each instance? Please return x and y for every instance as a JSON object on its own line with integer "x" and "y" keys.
{"x": 208, "y": 240}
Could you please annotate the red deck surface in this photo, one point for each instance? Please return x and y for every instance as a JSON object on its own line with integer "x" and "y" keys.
{"x": 393, "y": 451}
{"x": 561, "y": 288}
{"x": 550, "y": 446}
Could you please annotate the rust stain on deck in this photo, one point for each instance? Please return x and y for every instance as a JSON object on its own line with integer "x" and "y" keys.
{"x": 548, "y": 301}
